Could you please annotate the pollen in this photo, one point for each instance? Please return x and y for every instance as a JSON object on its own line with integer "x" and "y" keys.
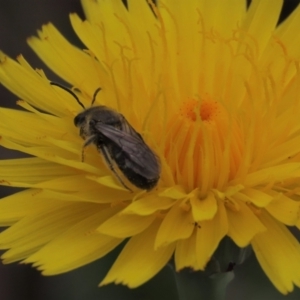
{"x": 210, "y": 110}
{"x": 206, "y": 110}
{"x": 188, "y": 109}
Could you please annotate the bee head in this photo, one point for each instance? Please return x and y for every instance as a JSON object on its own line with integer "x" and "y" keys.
{"x": 80, "y": 119}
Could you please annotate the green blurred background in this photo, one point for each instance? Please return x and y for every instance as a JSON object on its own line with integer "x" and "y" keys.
{"x": 19, "y": 20}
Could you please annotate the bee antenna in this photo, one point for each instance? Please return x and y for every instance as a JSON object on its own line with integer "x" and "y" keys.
{"x": 95, "y": 95}
{"x": 69, "y": 91}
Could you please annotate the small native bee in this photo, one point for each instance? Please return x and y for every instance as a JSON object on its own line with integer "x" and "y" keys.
{"x": 118, "y": 142}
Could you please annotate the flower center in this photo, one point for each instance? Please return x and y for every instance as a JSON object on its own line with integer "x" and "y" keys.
{"x": 208, "y": 110}
{"x": 203, "y": 145}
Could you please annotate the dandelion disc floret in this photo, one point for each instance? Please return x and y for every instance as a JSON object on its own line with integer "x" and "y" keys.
{"x": 213, "y": 88}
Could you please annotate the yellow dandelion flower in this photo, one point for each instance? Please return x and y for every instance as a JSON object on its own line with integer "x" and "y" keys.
{"x": 213, "y": 88}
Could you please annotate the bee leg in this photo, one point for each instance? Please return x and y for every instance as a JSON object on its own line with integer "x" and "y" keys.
{"x": 82, "y": 155}
{"x": 87, "y": 142}
{"x": 109, "y": 163}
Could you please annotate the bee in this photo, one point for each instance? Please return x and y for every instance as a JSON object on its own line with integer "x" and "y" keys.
{"x": 118, "y": 142}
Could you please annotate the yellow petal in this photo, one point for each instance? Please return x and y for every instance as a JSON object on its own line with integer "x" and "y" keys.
{"x": 109, "y": 181}
{"x": 123, "y": 226}
{"x": 22, "y": 80}
{"x": 259, "y": 198}
{"x": 69, "y": 183}
{"x": 280, "y": 153}
{"x": 64, "y": 126}
{"x": 96, "y": 39}
{"x": 278, "y": 253}
{"x": 33, "y": 130}
{"x": 60, "y": 56}
{"x": 185, "y": 252}
{"x": 107, "y": 196}
{"x": 257, "y": 16}
{"x": 77, "y": 246}
{"x": 204, "y": 209}
{"x": 148, "y": 205}
{"x": 52, "y": 154}
{"x": 177, "y": 224}
{"x": 17, "y": 206}
{"x": 224, "y": 15}
{"x": 209, "y": 236}
{"x": 139, "y": 251}
{"x": 174, "y": 192}
{"x": 197, "y": 250}
{"x": 271, "y": 174}
{"x": 243, "y": 224}
{"x": 28, "y": 170}
{"x": 36, "y": 229}
{"x": 232, "y": 190}
{"x": 286, "y": 32}
{"x": 141, "y": 14}
{"x": 284, "y": 209}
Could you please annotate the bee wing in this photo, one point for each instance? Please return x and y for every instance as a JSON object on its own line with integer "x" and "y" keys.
{"x": 134, "y": 146}
{"x": 130, "y": 130}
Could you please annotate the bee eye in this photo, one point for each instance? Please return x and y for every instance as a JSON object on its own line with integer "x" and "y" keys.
{"x": 79, "y": 119}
